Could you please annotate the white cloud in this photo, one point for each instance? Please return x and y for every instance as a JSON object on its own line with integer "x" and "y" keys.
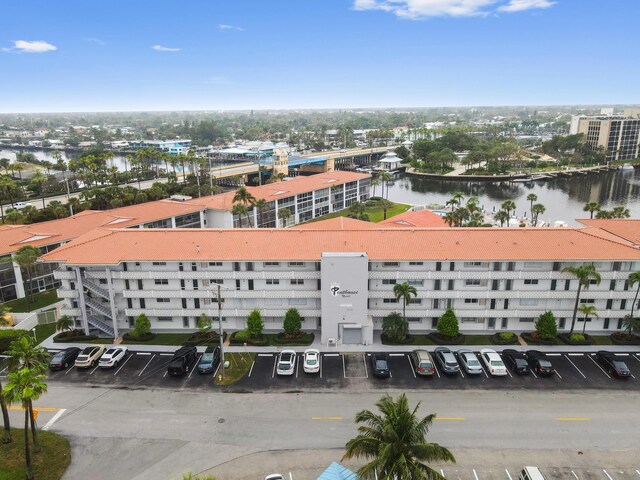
{"x": 37, "y": 46}
{"x": 160, "y": 48}
{"x": 521, "y": 5}
{"x": 97, "y": 41}
{"x": 223, "y": 26}
{"x": 416, "y": 9}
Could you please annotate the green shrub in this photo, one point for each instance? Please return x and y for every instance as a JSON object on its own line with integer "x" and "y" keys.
{"x": 506, "y": 335}
{"x": 577, "y": 337}
{"x": 292, "y": 322}
{"x": 242, "y": 335}
{"x": 142, "y": 327}
{"x": 8, "y": 336}
{"x": 204, "y": 323}
{"x": 395, "y": 327}
{"x": 448, "y": 324}
{"x": 255, "y": 325}
{"x": 546, "y": 325}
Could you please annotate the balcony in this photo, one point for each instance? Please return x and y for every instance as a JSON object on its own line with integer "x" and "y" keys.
{"x": 212, "y": 312}
{"x": 64, "y": 275}
{"x": 67, "y": 293}
{"x": 211, "y": 292}
{"x": 227, "y": 275}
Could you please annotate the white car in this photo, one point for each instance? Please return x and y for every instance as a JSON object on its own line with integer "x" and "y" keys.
{"x": 112, "y": 357}
{"x": 311, "y": 362}
{"x": 19, "y": 205}
{"x": 286, "y": 362}
{"x": 493, "y": 362}
{"x": 89, "y": 357}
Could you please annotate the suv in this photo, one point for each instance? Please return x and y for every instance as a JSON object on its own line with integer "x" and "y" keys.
{"x": 612, "y": 364}
{"x": 89, "y": 357}
{"x": 516, "y": 361}
{"x": 447, "y": 360}
{"x": 210, "y": 360}
{"x": 421, "y": 362}
{"x": 286, "y": 362}
{"x": 181, "y": 361}
{"x": 380, "y": 365}
{"x": 540, "y": 363}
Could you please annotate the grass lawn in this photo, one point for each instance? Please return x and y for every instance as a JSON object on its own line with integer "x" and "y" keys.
{"x": 163, "y": 339}
{"x": 38, "y": 300}
{"x": 376, "y": 214}
{"x": 239, "y": 365}
{"x": 48, "y": 464}
{"x": 601, "y": 340}
{"x": 477, "y": 340}
{"x": 44, "y": 331}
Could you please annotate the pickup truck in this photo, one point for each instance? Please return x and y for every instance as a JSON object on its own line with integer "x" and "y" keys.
{"x": 182, "y": 360}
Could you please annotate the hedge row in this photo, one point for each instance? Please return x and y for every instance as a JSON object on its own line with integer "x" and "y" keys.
{"x": 8, "y": 336}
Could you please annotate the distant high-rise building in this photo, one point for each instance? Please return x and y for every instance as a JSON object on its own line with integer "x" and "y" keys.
{"x": 618, "y": 134}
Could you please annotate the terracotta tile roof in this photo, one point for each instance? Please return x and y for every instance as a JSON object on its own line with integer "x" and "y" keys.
{"x": 421, "y": 219}
{"x": 626, "y": 228}
{"x": 473, "y": 244}
{"x": 339, "y": 223}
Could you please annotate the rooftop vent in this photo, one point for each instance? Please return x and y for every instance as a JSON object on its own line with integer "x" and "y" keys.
{"x": 180, "y": 198}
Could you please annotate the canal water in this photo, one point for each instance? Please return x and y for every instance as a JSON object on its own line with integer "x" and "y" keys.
{"x": 564, "y": 198}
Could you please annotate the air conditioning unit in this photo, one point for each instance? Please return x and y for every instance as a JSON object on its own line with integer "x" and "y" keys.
{"x": 332, "y": 342}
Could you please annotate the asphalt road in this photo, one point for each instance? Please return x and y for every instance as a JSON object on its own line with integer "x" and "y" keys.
{"x": 149, "y": 433}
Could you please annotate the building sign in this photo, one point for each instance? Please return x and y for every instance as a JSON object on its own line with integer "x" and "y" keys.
{"x": 336, "y": 291}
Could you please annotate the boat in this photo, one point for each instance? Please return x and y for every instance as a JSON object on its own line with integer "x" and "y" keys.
{"x": 627, "y": 166}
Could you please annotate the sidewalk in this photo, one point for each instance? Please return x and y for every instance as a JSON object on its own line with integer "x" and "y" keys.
{"x": 376, "y": 347}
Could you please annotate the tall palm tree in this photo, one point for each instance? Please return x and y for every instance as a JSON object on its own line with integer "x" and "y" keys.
{"x": 532, "y": 197}
{"x": 261, "y": 205}
{"x": 374, "y": 183}
{"x": 587, "y": 311}
{"x": 38, "y": 179}
{"x": 395, "y": 442}
{"x": 19, "y": 168}
{"x": 458, "y": 197}
{"x": 385, "y": 178}
{"x": 24, "y": 353}
{"x": 592, "y": 207}
{"x": 386, "y": 205}
{"x": 25, "y": 386}
{"x": 243, "y": 196}
{"x": 26, "y": 257}
{"x": 536, "y": 210}
{"x": 508, "y": 206}
{"x": 284, "y": 214}
{"x": 239, "y": 209}
{"x": 404, "y": 291}
{"x": 584, "y": 274}
{"x": 633, "y": 279}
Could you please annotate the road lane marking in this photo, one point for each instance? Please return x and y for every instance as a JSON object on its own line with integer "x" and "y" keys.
{"x": 123, "y": 364}
{"x": 574, "y": 474}
{"x": 194, "y": 366}
{"x": 53, "y": 419}
{"x": 573, "y": 419}
{"x": 605, "y": 472}
{"x": 450, "y": 419}
{"x": 145, "y": 367}
{"x": 508, "y": 474}
{"x": 576, "y": 367}
{"x": 251, "y": 369}
{"x": 327, "y": 418}
{"x": 414, "y": 373}
{"x": 35, "y": 409}
{"x": 598, "y": 365}
{"x": 474, "y": 474}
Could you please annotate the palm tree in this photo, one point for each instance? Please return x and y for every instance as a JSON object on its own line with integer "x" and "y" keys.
{"x": 536, "y": 210}
{"x": 395, "y": 441}
{"x": 633, "y": 279}
{"x": 587, "y": 311}
{"x": 261, "y": 205}
{"x": 7, "y": 185}
{"x": 240, "y": 210}
{"x": 458, "y": 197}
{"x": 395, "y": 327}
{"x": 404, "y": 291}
{"x": 38, "y": 179}
{"x": 24, "y": 353}
{"x": 386, "y": 205}
{"x": 592, "y": 207}
{"x": 65, "y": 322}
{"x": 584, "y": 274}
{"x": 374, "y": 183}
{"x": 507, "y": 206}
{"x": 284, "y": 214}
{"x": 18, "y": 167}
{"x": 630, "y": 324}
{"x": 385, "y": 178}
{"x": 25, "y": 386}
{"x": 532, "y": 197}
{"x": 26, "y": 257}
{"x": 14, "y": 216}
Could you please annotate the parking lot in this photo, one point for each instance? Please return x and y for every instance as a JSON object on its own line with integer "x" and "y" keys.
{"x": 352, "y": 371}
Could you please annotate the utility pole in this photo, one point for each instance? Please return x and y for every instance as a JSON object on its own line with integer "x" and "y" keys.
{"x": 221, "y": 333}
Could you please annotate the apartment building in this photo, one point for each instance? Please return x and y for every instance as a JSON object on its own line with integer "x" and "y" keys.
{"x": 619, "y": 135}
{"x": 340, "y": 277}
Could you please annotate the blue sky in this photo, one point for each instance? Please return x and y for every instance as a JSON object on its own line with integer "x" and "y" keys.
{"x": 95, "y": 55}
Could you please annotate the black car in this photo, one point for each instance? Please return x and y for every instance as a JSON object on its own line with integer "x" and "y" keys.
{"x": 612, "y": 364}
{"x": 182, "y": 359}
{"x": 210, "y": 360}
{"x": 540, "y": 363}
{"x": 516, "y": 361}
{"x": 380, "y": 365}
{"x": 64, "y": 358}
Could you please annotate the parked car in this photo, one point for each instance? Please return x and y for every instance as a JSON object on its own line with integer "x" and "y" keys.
{"x": 182, "y": 360}
{"x": 210, "y": 360}
{"x": 64, "y": 358}
{"x": 469, "y": 362}
{"x": 612, "y": 364}
{"x": 516, "y": 361}
{"x": 89, "y": 357}
{"x": 311, "y": 362}
{"x": 380, "y": 365}
{"x": 540, "y": 363}
{"x": 112, "y": 357}
{"x": 422, "y": 362}
{"x": 286, "y": 362}
{"x": 493, "y": 362}
{"x": 446, "y": 360}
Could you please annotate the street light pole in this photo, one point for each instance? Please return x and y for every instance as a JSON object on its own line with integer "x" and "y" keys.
{"x": 220, "y": 333}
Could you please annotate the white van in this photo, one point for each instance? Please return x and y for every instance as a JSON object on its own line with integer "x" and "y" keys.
{"x": 531, "y": 473}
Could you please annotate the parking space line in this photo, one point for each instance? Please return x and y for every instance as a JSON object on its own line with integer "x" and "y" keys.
{"x": 344, "y": 369}
{"x": 297, "y": 367}
{"x": 366, "y": 371}
{"x": 165, "y": 373}
{"x": 321, "y": 365}
{"x": 414, "y": 373}
{"x": 638, "y": 472}
{"x": 218, "y": 368}
{"x": 396, "y": 354}
{"x": 48, "y": 425}
{"x": 145, "y": 367}
{"x": 194, "y": 366}
{"x": 508, "y": 474}
{"x": 167, "y": 354}
{"x": 559, "y": 376}
{"x": 290, "y": 476}
{"x": 575, "y": 366}
{"x": 483, "y": 370}
{"x": 123, "y": 364}
{"x": 436, "y": 368}
{"x": 553, "y": 354}
{"x": 638, "y": 359}
{"x": 94, "y": 369}
{"x": 275, "y": 362}
{"x": 597, "y": 365}
{"x": 265, "y": 355}
{"x": 69, "y": 369}
{"x": 575, "y": 354}
{"x": 621, "y": 354}
{"x": 143, "y": 353}
{"x": 331, "y": 354}
{"x": 3, "y": 370}
{"x": 442, "y": 472}
{"x": 574, "y": 474}
{"x": 475, "y": 474}
{"x": 605, "y": 472}
{"x": 251, "y": 369}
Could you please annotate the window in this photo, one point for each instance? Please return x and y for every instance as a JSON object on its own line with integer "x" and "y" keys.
{"x": 415, "y": 301}
{"x": 623, "y": 304}
{"x": 471, "y": 300}
{"x": 195, "y": 284}
{"x": 215, "y": 264}
{"x": 184, "y": 303}
{"x": 217, "y": 281}
{"x": 470, "y": 320}
{"x": 296, "y": 264}
{"x": 196, "y": 303}
{"x": 415, "y": 264}
{"x": 436, "y": 302}
{"x": 530, "y": 281}
{"x": 161, "y": 281}
{"x": 528, "y": 302}
{"x": 450, "y": 285}
{"x": 297, "y": 281}
{"x": 508, "y": 284}
{"x": 129, "y": 303}
{"x": 159, "y": 264}
{"x": 250, "y": 284}
{"x": 438, "y": 266}
{"x": 182, "y": 287}
{"x": 126, "y": 285}
{"x": 554, "y": 283}
{"x": 472, "y": 264}
{"x": 185, "y": 322}
{"x": 102, "y": 281}
{"x": 388, "y": 281}
{"x": 436, "y": 285}
{"x": 492, "y": 304}
{"x": 206, "y": 301}
{"x": 527, "y": 320}
{"x": 415, "y": 283}
{"x": 165, "y": 319}
{"x": 163, "y": 300}
{"x": 390, "y": 264}
{"x": 452, "y": 266}
{"x": 143, "y": 304}
{"x": 389, "y": 300}
{"x": 587, "y": 300}
{"x": 194, "y": 267}
{"x": 271, "y": 264}
{"x": 612, "y": 285}
{"x": 609, "y": 304}
{"x": 434, "y": 322}
{"x": 139, "y": 284}
{"x": 495, "y": 284}
{"x": 593, "y": 282}
{"x": 473, "y": 282}
{"x": 567, "y": 284}
{"x": 413, "y": 319}
{"x": 556, "y": 266}
{"x": 273, "y": 281}
{"x": 297, "y": 301}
